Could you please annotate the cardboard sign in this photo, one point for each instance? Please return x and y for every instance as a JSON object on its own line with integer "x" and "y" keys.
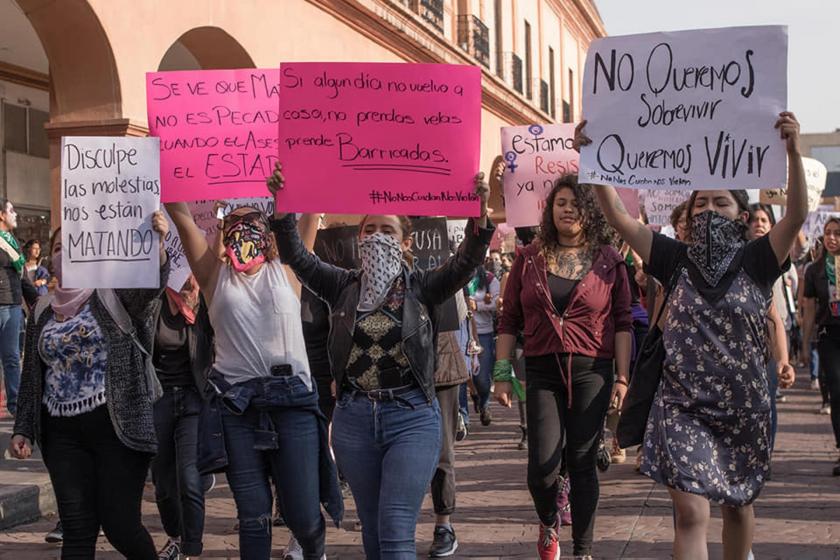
{"x": 207, "y": 220}
{"x": 110, "y": 187}
{"x": 815, "y": 177}
{"x": 380, "y": 138}
{"x": 217, "y": 130}
{"x": 455, "y": 229}
{"x": 815, "y": 223}
{"x": 535, "y": 156}
{"x": 686, "y": 110}
{"x": 660, "y": 204}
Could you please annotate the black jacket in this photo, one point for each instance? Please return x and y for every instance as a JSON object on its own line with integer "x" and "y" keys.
{"x": 199, "y": 340}
{"x": 425, "y": 292}
{"x": 13, "y": 284}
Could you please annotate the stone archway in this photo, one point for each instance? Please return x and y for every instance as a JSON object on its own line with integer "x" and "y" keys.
{"x": 205, "y": 48}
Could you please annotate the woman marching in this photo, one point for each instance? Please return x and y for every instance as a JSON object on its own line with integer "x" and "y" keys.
{"x": 708, "y": 432}
{"x": 86, "y": 399}
{"x": 569, "y": 292}
{"x": 263, "y": 423}
{"x": 386, "y": 426}
{"x": 821, "y": 312}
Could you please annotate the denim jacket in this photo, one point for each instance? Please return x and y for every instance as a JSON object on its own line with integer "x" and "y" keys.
{"x": 426, "y": 291}
{"x": 265, "y": 394}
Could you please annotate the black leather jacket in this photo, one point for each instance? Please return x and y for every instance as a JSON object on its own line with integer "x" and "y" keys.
{"x": 425, "y": 292}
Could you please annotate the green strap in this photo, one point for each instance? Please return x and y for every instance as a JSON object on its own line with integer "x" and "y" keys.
{"x": 503, "y": 373}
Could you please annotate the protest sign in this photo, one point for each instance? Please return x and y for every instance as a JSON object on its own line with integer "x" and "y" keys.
{"x": 339, "y": 246}
{"x": 659, "y": 205}
{"x": 110, "y": 187}
{"x": 217, "y": 130}
{"x": 380, "y": 138}
{"x": 686, "y": 110}
{"x": 815, "y": 176}
{"x": 207, "y": 220}
{"x": 535, "y": 156}
{"x": 504, "y": 239}
{"x": 455, "y": 230}
{"x": 815, "y": 223}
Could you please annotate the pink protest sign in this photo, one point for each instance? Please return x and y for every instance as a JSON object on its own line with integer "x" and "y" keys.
{"x": 535, "y": 156}
{"x": 380, "y": 138}
{"x": 217, "y": 130}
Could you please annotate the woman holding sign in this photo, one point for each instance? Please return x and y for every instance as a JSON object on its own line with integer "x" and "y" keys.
{"x": 263, "y": 421}
{"x": 386, "y": 427}
{"x": 569, "y": 293}
{"x": 708, "y": 432}
{"x": 86, "y": 399}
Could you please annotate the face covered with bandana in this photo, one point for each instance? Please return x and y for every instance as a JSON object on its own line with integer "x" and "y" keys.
{"x": 381, "y": 253}
{"x": 715, "y": 240}
{"x": 245, "y": 240}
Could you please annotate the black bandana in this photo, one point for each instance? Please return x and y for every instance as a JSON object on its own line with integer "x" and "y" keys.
{"x": 715, "y": 241}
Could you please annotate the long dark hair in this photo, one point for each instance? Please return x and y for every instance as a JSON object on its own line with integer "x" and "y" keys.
{"x": 595, "y": 228}
{"x": 742, "y": 199}
{"x": 756, "y": 208}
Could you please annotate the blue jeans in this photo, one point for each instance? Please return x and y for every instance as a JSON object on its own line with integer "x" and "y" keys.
{"x": 179, "y": 488}
{"x": 10, "y": 321}
{"x": 388, "y": 452}
{"x": 815, "y": 362}
{"x": 294, "y": 468}
{"x": 484, "y": 380}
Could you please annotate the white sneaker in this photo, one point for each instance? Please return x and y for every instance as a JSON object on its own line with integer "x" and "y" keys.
{"x": 815, "y": 384}
{"x": 826, "y": 409}
{"x": 294, "y": 550}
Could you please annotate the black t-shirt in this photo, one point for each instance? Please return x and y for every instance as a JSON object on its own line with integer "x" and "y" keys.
{"x": 172, "y": 352}
{"x": 756, "y": 258}
{"x": 816, "y": 287}
{"x": 561, "y": 291}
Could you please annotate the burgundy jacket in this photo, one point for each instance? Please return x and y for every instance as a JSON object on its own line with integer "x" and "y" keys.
{"x": 598, "y": 308}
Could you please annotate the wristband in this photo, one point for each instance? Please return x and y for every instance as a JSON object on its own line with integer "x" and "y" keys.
{"x": 503, "y": 373}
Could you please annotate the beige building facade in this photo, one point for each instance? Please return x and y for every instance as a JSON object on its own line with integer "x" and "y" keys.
{"x": 77, "y": 67}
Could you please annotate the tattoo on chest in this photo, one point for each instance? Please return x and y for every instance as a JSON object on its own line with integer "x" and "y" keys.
{"x": 572, "y": 265}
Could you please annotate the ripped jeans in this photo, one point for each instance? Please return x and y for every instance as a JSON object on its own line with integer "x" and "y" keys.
{"x": 294, "y": 467}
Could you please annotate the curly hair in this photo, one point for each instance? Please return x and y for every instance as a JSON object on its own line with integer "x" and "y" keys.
{"x": 596, "y": 230}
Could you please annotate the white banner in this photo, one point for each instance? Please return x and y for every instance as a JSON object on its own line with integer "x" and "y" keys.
{"x": 815, "y": 224}
{"x": 686, "y": 110}
{"x": 660, "y": 204}
{"x": 110, "y": 187}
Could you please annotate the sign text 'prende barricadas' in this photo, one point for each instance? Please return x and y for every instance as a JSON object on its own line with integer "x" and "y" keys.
{"x": 535, "y": 156}
{"x": 686, "y": 110}
{"x": 217, "y": 130}
{"x": 379, "y": 138}
{"x": 110, "y": 187}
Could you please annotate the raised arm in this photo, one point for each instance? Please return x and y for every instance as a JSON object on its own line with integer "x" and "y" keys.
{"x": 631, "y": 231}
{"x": 140, "y": 302}
{"x": 784, "y": 234}
{"x": 204, "y": 262}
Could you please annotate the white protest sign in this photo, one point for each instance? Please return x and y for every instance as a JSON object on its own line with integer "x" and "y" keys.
{"x": 815, "y": 223}
{"x": 206, "y": 218}
{"x": 815, "y": 177}
{"x": 686, "y": 110}
{"x": 535, "y": 156}
{"x": 660, "y": 204}
{"x": 110, "y": 187}
{"x": 455, "y": 230}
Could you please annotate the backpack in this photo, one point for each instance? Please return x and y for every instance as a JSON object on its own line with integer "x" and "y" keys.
{"x": 116, "y": 310}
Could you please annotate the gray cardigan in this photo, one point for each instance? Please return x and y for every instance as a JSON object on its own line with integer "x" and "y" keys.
{"x": 126, "y": 393}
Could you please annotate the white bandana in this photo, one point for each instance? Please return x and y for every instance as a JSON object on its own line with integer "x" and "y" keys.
{"x": 382, "y": 260}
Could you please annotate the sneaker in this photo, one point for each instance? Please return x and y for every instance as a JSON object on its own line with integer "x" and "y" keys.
{"x": 564, "y": 507}
{"x": 209, "y": 482}
{"x": 56, "y": 535}
{"x": 486, "y": 418}
{"x": 462, "y": 432}
{"x": 780, "y": 397}
{"x": 617, "y": 455}
{"x": 603, "y": 457}
{"x": 171, "y": 551}
{"x": 548, "y": 547}
{"x": 815, "y": 384}
{"x": 293, "y": 550}
{"x": 345, "y": 488}
{"x": 444, "y": 543}
{"x": 523, "y": 441}
{"x": 825, "y": 409}
{"x": 278, "y": 520}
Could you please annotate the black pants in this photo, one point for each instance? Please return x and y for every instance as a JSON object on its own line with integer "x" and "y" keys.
{"x": 97, "y": 481}
{"x": 179, "y": 489}
{"x": 443, "y": 482}
{"x": 829, "y": 351}
{"x": 549, "y": 419}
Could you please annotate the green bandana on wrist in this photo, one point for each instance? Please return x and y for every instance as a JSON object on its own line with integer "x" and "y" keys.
{"x": 503, "y": 373}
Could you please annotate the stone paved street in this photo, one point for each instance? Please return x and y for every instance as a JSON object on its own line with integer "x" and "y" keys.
{"x": 798, "y": 514}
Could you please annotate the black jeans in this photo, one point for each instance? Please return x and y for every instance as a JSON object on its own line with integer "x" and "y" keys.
{"x": 550, "y": 419}
{"x": 179, "y": 489}
{"x": 97, "y": 481}
{"x": 829, "y": 351}
{"x": 443, "y": 481}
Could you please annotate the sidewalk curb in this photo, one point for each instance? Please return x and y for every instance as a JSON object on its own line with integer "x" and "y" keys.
{"x": 21, "y": 504}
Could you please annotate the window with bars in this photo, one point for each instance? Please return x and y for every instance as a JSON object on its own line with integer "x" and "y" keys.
{"x": 474, "y": 38}
{"x": 23, "y": 130}
{"x": 432, "y": 12}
